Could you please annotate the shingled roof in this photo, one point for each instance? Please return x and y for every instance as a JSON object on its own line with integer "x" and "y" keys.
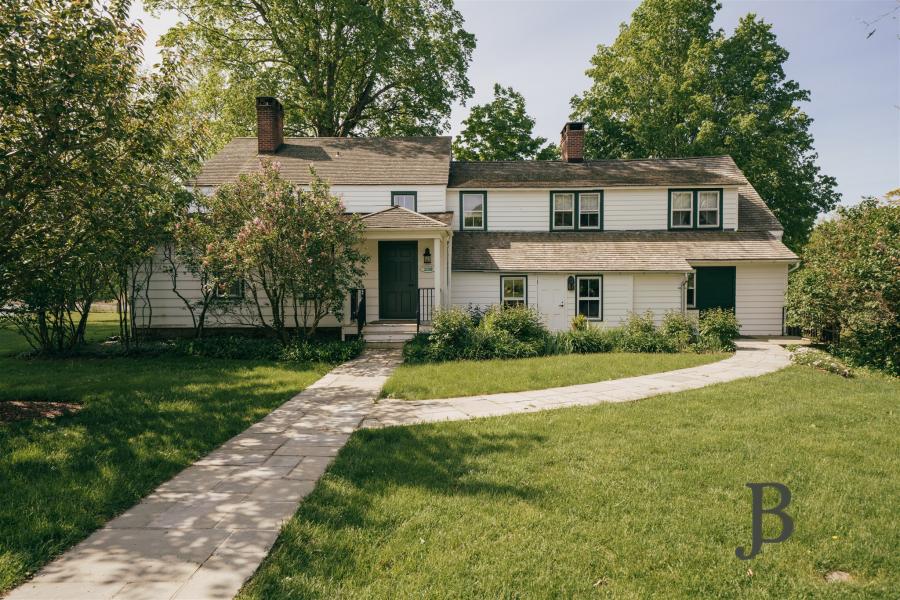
{"x": 753, "y": 214}
{"x": 397, "y": 217}
{"x": 610, "y": 250}
{"x": 340, "y": 161}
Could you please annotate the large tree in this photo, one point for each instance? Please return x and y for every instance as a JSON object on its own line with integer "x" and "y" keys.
{"x": 670, "y": 85}
{"x": 341, "y": 67}
{"x": 89, "y": 172}
{"x": 501, "y": 130}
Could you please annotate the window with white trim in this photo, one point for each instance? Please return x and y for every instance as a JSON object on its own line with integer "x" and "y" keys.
{"x": 708, "y": 208}
{"x": 564, "y": 210}
{"x": 690, "y": 291}
{"x": 404, "y": 199}
{"x": 589, "y": 210}
{"x": 473, "y": 211}
{"x": 513, "y": 290}
{"x": 589, "y": 291}
{"x": 682, "y": 209}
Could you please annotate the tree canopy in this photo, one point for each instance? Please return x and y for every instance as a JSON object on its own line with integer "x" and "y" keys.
{"x": 92, "y": 161}
{"x": 340, "y": 67}
{"x": 501, "y": 130}
{"x": 670, "y": 85}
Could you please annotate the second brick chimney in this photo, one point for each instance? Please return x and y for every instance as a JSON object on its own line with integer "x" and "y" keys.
{"x": 269, "y": 125}
{"x": 571, "y": 142}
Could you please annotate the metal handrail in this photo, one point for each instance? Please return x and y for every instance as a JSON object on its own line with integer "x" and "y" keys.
{"x": 424, "y": 307}
{"x": 358, "y": 308}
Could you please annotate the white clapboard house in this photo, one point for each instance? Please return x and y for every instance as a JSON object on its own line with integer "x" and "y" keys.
{"x": 601, "y": 238}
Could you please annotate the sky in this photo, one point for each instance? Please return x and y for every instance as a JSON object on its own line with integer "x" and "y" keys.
{"x": 542, "y": 48}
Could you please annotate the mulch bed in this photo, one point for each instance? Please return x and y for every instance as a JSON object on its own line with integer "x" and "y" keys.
{"x": 18, "y": 410}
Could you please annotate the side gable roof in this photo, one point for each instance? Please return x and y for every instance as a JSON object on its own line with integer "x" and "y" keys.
{"x": 340, "y": 161}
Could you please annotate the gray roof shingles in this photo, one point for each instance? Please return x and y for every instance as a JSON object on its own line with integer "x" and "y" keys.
{"x": 397, "y": 217}
{"x": 610, "y": 250}
{"x": 340, "y": 161}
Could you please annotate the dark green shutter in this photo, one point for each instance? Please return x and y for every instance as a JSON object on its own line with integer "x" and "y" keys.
{"x": 715, "y": 287}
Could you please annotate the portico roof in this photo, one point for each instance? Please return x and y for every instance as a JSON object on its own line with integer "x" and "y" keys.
{"x": 397, "y": 217}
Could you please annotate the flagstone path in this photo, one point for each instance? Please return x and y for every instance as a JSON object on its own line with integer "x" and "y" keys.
{"x": 203, "y": 533}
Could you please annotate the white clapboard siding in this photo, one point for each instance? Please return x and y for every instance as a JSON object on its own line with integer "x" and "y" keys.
{"x": 759, "y": 297}
{"x": 618, "y": 298}
{"x": 483, "y": 289}
{"x": 372, "y": 198}
{"x": 658, "y": 293}
{"x": 624, "y": 209}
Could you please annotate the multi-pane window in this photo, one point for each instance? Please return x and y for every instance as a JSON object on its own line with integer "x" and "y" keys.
{"x": 564, "y": 210}
{"x": 230, "y": 290}
{"x": 404, "y": 199}
{"x": 589, "y": 211}
{"x": 473, "y": 210}
{"x": 708, "y": 208}
{"x": 512, "y": 290}
{"x": 682, "y": 209}
{"x": 690, "y": 292}
{"x": 589, "y": 291}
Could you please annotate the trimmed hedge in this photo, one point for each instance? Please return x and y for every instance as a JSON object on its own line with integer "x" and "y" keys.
{"x": 250, "y": 348}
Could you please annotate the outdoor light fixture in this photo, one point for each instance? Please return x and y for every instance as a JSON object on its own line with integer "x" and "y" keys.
{"x": 426, "y": 257}
{"x": 570, "y": 283}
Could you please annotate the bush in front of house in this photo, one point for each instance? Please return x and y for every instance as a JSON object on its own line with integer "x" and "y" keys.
{"x": 640, "y": 334}
{"x": 521, "y": 322}
{"x": 451, "y": 335}
{"x": 593, "y": 339}
{"x": 718, "y": 329}
{"x": 515, "y": 332}
{"x": 680, "y": 331}
{"x": 260, "y": 348}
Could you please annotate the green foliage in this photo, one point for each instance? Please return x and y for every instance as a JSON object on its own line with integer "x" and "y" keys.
{"x": 680, "y": 330}
{"x": 640, "y": 334}
{"x": 718, "y": 330}
{"x": 522, "y": 322}
{"x": 91, "y": 164}
{"x": 501, "y": 130}
{"x": 818, "y": 359}
{"x": 670, "y": 85}
{"x": 579, "y": 323}
{"x": 393, "y": 67}
{"x": 256, "y": 348}
{"x": 451, "y": 335}
{"x": 849, "y": 282}
{"x": 416, "y": 350}
{"x": 491, "y": 342}
{"x": 593, "y": 339}
{"x": 295, "y": 249}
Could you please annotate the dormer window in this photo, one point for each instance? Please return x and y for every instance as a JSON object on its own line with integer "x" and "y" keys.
{"x": 708, "y": 208}
{"x": 404, "y": 199}
{"x": 682, "y": 210}
{"x": 564, "y": 210}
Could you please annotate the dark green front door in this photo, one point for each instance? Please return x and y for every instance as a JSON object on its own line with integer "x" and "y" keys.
{"x": 715, "y": 287}
{"x": 398, "y": 279}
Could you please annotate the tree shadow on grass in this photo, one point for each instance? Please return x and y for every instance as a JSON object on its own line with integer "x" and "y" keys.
{"x": 322, "y": 542}
{"x": 142, "y": 421}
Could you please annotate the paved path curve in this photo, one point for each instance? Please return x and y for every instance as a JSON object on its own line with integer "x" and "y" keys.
{"x": 751, "y": 359}
{"x": 203, "y": 533}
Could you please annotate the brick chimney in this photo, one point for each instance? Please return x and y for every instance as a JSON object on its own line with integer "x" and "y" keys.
{"x": 269, "y": 125}
{"x": 571, "y": 142}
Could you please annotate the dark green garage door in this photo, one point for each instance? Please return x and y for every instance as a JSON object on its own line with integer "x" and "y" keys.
{"x": 715, "y": 287}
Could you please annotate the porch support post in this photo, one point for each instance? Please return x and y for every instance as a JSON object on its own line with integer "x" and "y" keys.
{"x": 438, "y": 274}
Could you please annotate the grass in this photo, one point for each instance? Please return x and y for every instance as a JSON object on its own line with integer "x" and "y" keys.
{"x": 644, "y": 499}
{"x": 470, "y": 377}
{"x": 144, "y": 419}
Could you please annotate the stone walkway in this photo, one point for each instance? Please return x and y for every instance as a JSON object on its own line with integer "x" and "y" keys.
{"x": 202, "y": 534}
{"x": 751, "y": 359}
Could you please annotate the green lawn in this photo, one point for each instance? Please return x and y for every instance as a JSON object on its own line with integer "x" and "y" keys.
{"x": 638, "y": 500}
{"x": 474, "y": 377}
{"x": 143, "y": 421}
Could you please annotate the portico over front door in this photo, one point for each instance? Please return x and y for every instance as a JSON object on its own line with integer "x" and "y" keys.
{"x": 398, "y": 279}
